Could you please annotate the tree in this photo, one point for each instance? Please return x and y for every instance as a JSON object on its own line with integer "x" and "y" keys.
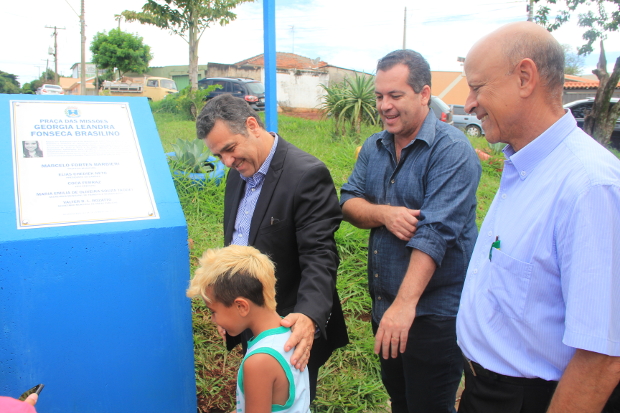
{"x": 123, "y": 51}
{"x": 8, "y": 83}
{"x": 597, "y": 21}
{"x": 573, "y": 62}
{"x": 31, "y": 87}
{"x": 188, "y": 19}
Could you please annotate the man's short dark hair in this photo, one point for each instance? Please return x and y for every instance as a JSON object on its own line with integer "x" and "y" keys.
{"x": 419, "y": 70}
{"x": 233, "y": 111}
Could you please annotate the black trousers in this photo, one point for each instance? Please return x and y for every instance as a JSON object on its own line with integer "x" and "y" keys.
{"x": 487, "y": 394}
{"x": 426, "y": 376}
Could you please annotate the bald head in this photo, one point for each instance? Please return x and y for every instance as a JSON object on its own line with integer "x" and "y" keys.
{"x": 525, "y": 40}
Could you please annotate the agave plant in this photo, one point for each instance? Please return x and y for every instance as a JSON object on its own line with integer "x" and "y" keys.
{"x": 360, "y": 103}
{"x": 496, "y": 148}
{"x": 191, "y": 156}
{"x": 351, "y": 102}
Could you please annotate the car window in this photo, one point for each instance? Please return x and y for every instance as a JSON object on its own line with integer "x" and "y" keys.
{"x": 168, "y": 84}
{"x": 151, "y": 83}
{"x": 222, "y": 83}
{"x": 580, "y": 111}
{"x": 52, "y": 87}
{"x": 236, "y": 88}
{"x": 256, "y": 88}
{"x": 458, "y": 110}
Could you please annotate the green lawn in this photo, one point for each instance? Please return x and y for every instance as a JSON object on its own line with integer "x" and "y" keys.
{"x": 350, "y": 381}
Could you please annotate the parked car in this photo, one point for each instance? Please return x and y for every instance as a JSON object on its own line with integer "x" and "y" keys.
{"x": 441, "y": 109}
{"x": 152, "y": 88}
{"x": 251, "y": 90}
{"x": 48, "y": 89}
{"x": 580, "y": 108}
{"x": 466, "y": 121}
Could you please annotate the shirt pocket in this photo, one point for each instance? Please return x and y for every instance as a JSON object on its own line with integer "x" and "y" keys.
{"x": 510, "y": 283}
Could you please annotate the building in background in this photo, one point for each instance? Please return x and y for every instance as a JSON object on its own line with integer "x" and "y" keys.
{"x": 577, "y": 87}
{"x": 91, "y": 70}
{"x": 298, "y": 78}
{"x": 71, "y": 85}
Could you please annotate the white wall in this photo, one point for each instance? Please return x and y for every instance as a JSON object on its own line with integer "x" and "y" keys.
{"x": 300, "y": 89}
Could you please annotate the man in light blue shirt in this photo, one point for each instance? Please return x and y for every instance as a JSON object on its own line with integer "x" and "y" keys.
{"x": 540, "y": 308}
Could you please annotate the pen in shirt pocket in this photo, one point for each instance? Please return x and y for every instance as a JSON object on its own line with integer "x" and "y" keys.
{"x": 274, "y": 220}
{"x": 496, "y": 245}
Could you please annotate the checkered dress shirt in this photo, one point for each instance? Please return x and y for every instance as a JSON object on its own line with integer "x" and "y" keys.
{"x": 253, "y": 187}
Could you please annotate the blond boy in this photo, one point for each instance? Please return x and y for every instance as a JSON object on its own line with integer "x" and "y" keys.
{"x": 237, "y": 284}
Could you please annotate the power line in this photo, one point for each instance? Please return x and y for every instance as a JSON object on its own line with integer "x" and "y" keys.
{"x": 76, "y": 13}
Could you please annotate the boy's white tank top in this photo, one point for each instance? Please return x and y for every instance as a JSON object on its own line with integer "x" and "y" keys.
{"x": 272, "y": 342}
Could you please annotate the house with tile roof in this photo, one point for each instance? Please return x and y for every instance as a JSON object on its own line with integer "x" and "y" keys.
{"x": 577, "y": 87}
{"x": 298, "y": 77}
{"x": 71, "y": 85}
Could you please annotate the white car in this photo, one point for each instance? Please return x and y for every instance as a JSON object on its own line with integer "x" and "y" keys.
{"x": 47, "y": 89}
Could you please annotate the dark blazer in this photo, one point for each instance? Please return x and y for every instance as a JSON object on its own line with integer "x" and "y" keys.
{"x": 294, "y": 222}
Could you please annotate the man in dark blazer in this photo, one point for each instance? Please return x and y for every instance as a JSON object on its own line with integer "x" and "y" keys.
{"x": 282, "y": 201}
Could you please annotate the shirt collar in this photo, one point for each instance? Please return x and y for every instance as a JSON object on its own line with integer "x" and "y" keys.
{"x": 426, "y": 132}
{"x": 534, "y": 152}
{"x": 259, "y": 175}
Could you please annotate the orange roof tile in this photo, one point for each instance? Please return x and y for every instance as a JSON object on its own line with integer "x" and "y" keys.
{"x": 285, "y": 61}
{"x": 588, "y": 84}
{"x": 573, "y": 78}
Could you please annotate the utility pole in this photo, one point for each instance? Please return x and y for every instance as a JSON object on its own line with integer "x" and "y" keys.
{"x": 83, "y": 60}
{"x": 405, "y": 31}
{"x": 55, "y": 54}
{"x": 47, "y": 66}
{"x": 293, "y": 31}
{"x": 530, "y": 11}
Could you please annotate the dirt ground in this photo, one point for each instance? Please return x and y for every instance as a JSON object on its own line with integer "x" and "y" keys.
{"x": 312, "y": 115}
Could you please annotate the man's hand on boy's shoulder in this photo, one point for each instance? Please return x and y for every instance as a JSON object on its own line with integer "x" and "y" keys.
{"x": 301, "y": 338}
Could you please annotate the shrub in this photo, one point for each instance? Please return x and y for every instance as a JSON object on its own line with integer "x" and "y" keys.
{"x": 191, "y": 156}
{"x": 351, "y": 102}
{"x": 187, "y": 102}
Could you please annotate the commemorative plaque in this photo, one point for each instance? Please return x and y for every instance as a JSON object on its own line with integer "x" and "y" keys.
{"x": 77, "y": 163}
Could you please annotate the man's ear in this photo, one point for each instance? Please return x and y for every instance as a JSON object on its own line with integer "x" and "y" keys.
{"x": 425, "y": 93}
{"x": 252, "y": 125}
{"x": 242, "y": 305}
{"x": 528, "y": 75}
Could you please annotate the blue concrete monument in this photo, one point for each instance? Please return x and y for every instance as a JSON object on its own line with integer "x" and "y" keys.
{"x": 93, "y": 259}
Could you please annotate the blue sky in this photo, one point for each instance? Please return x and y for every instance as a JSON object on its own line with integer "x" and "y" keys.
{"x": 343, "y": 33}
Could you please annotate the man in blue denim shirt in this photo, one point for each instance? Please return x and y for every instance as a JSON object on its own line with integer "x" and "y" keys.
{"x": 414, "y": 185}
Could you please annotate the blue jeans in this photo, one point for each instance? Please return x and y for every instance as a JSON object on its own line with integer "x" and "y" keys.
{"x": 426, "y": 376}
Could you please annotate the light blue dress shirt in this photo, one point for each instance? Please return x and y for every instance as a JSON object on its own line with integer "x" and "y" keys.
{"x": 253, "y": 187}
{"x": 554, "y": 283}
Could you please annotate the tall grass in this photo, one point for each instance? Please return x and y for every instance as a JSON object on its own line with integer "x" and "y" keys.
{"x": 350, "y": 381}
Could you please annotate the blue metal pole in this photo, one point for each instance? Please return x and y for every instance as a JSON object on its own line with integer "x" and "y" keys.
{"x": 271, "y": 99}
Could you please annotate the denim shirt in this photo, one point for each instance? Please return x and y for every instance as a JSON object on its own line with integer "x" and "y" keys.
{"x": 438, "y": 173}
